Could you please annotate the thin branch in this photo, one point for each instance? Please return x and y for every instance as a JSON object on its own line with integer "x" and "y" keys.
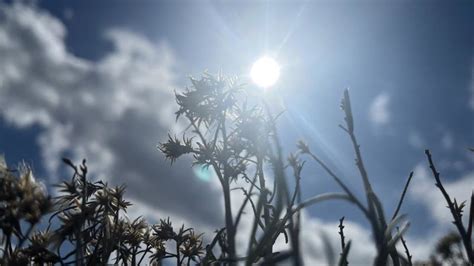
{"x": 409, "y": 256}
{"x": 457, "y": 218}
{"x": 343, "y": 242}
{"x": 471, "y": 217}
{"x": 402, "y": 196}
{"x": 248, "y": 198}
{"x": 375, "y": 210}
{"x": 340, "y": 183}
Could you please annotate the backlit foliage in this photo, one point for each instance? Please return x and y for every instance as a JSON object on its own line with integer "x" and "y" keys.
{"x": 236, "y": 137}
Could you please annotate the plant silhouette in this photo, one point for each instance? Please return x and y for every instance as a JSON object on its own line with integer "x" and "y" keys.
{"x": 235, "y": 136}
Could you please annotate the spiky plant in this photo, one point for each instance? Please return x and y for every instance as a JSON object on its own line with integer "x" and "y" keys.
{"x": 236, "y": 136}
{"x": 23, "y": 202}
{"x": 236, "y": 140}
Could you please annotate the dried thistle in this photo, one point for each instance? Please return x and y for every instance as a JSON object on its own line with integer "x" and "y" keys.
{"x": 174, "y": 148}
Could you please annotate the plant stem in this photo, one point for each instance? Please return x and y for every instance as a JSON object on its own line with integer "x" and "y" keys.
{"x": 266, "y": 211}
{"x": 225, "y": 190}
{"x": 343, "y": 243}
{"x": 467, "y": 241}
{"x": 402, "y": 196}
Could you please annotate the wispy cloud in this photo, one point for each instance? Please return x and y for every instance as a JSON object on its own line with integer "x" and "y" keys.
{"x": 379, "y": 112}
{"x": 447, "y": 141}
{"x": 415, "y": 140}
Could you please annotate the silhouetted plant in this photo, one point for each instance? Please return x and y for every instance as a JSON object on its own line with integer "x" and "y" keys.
{"x": 23, "y": 201}
{"x": 448, "y": 250}
{"x": 232, "y": 139}
{"x": 90, "y": 224}
{"x": 236, "y": 137}
{"x": 344, "y": 247}
{"x": 384, "y": 237}
{"x": 238, "y": 140}
{"x": 456, "y": 209}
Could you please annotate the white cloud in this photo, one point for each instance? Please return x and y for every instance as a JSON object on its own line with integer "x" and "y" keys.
{"x": 112, "y": 112}
{"x": 379, "y": 112}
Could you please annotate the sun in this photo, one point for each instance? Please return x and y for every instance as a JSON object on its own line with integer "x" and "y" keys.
{"x": 265, "y": 72}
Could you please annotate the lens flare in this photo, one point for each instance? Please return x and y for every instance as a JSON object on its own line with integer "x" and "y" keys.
{"x": 203, "y": 173}
{"x": 265, "y": 72}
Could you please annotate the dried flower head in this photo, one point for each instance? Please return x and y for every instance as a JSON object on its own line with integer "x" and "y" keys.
{"x": 303, "y": 147}
{"x": 174, "y": 148}
{"x": 192, "y": 245}
{"x": 164, "y": 230}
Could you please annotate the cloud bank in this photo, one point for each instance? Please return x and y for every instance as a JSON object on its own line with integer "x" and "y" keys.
{"x": 112, "y": 112}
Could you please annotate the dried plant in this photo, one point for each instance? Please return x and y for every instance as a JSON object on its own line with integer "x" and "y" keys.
{"x": 236, "y": 137}
{"x": 233, "y": 140}
{"x": 89, "y": 224}
{"x": 456, "y": 209}
{"x": 384, "y": 237}
{"x": 23, "y": 202}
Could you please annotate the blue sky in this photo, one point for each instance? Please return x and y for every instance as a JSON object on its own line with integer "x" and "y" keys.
{"x": 96, "y": 80}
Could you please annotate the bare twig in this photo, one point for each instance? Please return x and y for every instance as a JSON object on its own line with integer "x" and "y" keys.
{"x": 471, "y": 217}
{"x": 455, "y": 211}
{"x": 402, "y": 196}
{"x": 376, "y": 214}
{"x": 409, "y": 256}
{"x": 343, "y": 242}
{"x": 340, "y": 183}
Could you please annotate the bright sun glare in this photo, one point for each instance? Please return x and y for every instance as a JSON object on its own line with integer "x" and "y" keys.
{"x": 265, "y": 72}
